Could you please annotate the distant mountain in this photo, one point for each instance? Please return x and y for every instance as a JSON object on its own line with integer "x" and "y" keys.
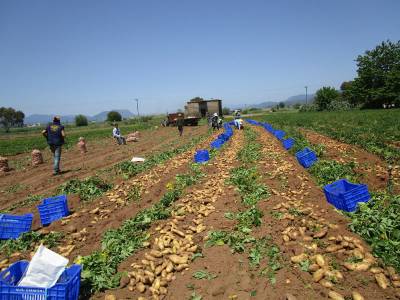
{"x": 301, "y": 99}
{"x": 100, "y": 117}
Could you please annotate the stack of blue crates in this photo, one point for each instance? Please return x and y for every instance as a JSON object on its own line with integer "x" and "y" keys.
{"x": 52, "y": 209}
{"x": 345, "y": 195}
{"x": 11, "y": 227}
{"x": 306, "y": 157}
{"x": 67, "y": 287}
{"x": 288, "y": 143}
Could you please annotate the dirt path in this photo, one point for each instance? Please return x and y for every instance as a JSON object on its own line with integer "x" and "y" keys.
{"x": 374, "y": 170}
{"x": 100, "y": 156}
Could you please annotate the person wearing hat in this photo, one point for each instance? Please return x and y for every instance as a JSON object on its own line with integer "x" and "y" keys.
{"x": 117, "y": 135}
{"x": 215, "y": 121}
{"x": 55, "y": 136}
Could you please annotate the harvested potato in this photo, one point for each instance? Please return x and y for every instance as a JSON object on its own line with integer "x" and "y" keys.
{"x": 318, "y": 275}
{"x": 382, "y": 280}
{"x": 357, "y": 296}
{"x": 299, "y": 258}
{"x": 319, "y": 259}
{"x": 376, "y": 270}
{"x": 335, "y": 296}
{"x": 313, "y": 267}
{"x": 110, "y": 297}
{"x": 141, "y": 287}
{"x": 176, "y": 259}
{"x": 326, "y": 283}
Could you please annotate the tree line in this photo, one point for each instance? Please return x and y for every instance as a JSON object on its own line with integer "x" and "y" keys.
{"x": 377, "y": 84}
{"x": 9, "y": 117}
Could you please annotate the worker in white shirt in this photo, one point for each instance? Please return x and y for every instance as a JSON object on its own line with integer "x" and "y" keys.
{"x": 117, "y": 135}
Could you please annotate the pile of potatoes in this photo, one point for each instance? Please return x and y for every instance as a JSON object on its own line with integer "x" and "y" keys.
{"x": 170, "y": 252}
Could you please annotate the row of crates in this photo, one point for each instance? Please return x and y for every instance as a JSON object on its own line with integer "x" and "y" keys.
{"x": 202, "y": 156}
{"x": 50, "y": 210}
{"x": 342, "y": 194}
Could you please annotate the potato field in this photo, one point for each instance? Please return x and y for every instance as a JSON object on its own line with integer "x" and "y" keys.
{"x": 250, "y": 223}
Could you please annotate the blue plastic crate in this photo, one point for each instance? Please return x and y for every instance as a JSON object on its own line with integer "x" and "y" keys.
{"x": 223, "y": 137}
{"x": 288, "y": 143}
{"x": 306, "y": 157}
{"x": 217, "y": 144}
{"x": 53, "y": 209}
{"x": 345, "y": 195}
{"x": 201, "y": 156}
{"x": 67, "y": 287}
{"x": 11, "y": 227}
{"x": 279, "y": 134}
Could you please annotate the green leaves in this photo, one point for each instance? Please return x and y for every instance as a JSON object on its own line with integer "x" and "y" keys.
{"x": 378, "y": 222}
{"x": 87, "y": 189}
{"x": 29, "y": 240}
{"x": 203, "y": 274}
{"x": 328, "y": 171}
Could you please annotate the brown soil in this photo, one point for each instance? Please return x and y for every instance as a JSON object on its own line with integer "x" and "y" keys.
{"x": 292, "y": 189}
{"x": 101, "y": 155}
{"x": 85, "y": 226}
{"x": 372, "y": 169}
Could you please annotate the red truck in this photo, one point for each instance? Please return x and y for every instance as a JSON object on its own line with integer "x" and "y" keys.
{"x": 188, "y": 120}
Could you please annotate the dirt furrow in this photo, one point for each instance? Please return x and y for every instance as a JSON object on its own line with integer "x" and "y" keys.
{"x": 37, "y": 180}
{"x": 323, "y": 256}
{"x": 373, "y": 170}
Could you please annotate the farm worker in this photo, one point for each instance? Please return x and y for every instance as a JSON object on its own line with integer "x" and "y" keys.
{"x": 180, "y": 122}
{"x": 55, "y": 135}
{"x": 214, "y": 121}
{"x": 117, "y": 135}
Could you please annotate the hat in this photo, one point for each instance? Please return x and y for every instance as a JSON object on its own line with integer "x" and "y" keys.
{"x": 215, "y": 115}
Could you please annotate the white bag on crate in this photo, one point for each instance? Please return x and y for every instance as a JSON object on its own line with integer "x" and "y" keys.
{"x": 44, "y": 269}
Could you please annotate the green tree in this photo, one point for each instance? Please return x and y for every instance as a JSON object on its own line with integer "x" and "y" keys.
{"x": 378, "y": 77}
{"x": 297, "y": 106}
{"x": 9, "y": 117}
{"x": 325, "y": 96}
{"x": 81, "y": 120}
{"x": 226, "y": 111}
{"x": 19, "y": 118}
{"x": 281, "y": 105}
{"x": 114, "y": 116}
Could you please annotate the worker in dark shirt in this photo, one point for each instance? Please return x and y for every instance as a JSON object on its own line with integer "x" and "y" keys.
{"x": 55, "y": 135}
{"x": 180, "y": 123}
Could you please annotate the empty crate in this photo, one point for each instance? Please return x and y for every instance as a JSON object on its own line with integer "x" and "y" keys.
{"x": 345, "y": 195}
{"x": 53, "y": 209}
{"x": 306, "y": 157}
{"x": 279, "y": 134}
{"x": 67, "y": 287}
{"x": 11, "y": 227}
{"x": 201, "y": 156}
{"x": 288, "y": 143}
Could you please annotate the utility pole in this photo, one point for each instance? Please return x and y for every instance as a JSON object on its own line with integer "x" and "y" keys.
{"x": 137, "y": 107}
{"x": 306, "y": 87}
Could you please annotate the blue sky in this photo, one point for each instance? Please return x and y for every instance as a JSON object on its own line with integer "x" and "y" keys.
{"x": 69, "y": 57}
